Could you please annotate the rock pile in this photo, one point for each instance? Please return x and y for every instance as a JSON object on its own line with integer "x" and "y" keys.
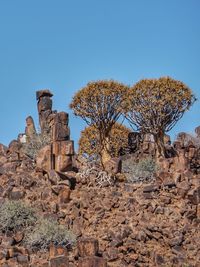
{"x": 121, "y": 225}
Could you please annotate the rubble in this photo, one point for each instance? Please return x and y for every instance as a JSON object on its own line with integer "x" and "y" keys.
{"x": 120, "y": 225}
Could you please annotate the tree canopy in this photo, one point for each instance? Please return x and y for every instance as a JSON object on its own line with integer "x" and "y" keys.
{"x": 90, "y": 146}
{"x": 100, "y": 104}
{"x": 155, "y": 105}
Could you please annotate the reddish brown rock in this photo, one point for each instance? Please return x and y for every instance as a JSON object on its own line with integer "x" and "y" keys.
{"x": 23, "y": 260}
{"x": 150, "y": 188}
{"x": 64, "y": 195}
{"x": 87, "y": 247}
{"x": 44, "y": 104}
{"x": 54, "y": 177}
{"x": 44, "y": 109}
{"x": 183, "y": 188}
{"x": 63, "y": 148}
{"x": 60, "y": 261}
{"x": 113, "y": 166}
{"x": 18, "y": 237}
{"x": 16, "y": 194}
{"x": 194, "y": 195}
{"x": 63, "y": 163}
{"x": 55, "y": 251}
{"x": 3, "y": 150}
{"x": 14, "y": 146}
{"x": 92, "y": 262}
{"x": 60, "y": 127}
{"x": 44, "y": 159}
{"x": 197, "y": 131}
{"x": 42, "y": 93}
{"x": 181, "y": 162}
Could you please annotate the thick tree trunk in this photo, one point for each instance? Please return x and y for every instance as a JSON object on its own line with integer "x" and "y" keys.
{"x": 105, "y": 151}
{"x": 160, "y": 145}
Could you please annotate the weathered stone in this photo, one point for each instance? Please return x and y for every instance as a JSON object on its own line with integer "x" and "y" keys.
{"x": 159, "y": 260}
{"x": 63, "y": 163}
{"x": 191, "y": 152}
{"x": 176, "y": 177}
{"x": 111, "y": 254}
{"x": 45, "y": 194}
{"x": 63, "y": 148}
{"x": 113, "y": 166}
{"x": 62, "y": 118}
{"x": 55, "y": 251}
{"x": 43, "y": 159}
{"x": 16, "y": 250}
{"x": 44, "y": 104}
{"x": 3, "y": 150}
{"x": 14, "y": 146}
{"x": 177, "y": 145}
{"x": 8, "y": 167}
{"x": 183, "y": 188}
{"x": 42, "y": 93}
{"x": 61, "y": 132}
{"x": 198, "y": 211}
{"x": 87, "y": 247}
{"x": 23, "y": 260}
{"x": 92, "y": 262}
{"x": 64, "y": 195}
{"x": 194, "y": 195}
{"x": 16, "y": 194}
{"x": 3, "y": 253}
{"x": 18, "y": 237}
{"x": 54, "y": 177}
{"x": 197, "y": 131}
{"x": 164, "y": 165}
{"x": 169, "y": 183}
{"x": 150, "y": 188}
{"x": 65, "y": 183}
{"x": 182, "y": 138}
{"x": 60, "y": 261}
{"x": 27, "y": 180}
{"x": 57, "y": 189}
{"x": 181, "y": 162}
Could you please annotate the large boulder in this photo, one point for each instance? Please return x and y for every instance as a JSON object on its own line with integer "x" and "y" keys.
{"x": 44, "y": 159}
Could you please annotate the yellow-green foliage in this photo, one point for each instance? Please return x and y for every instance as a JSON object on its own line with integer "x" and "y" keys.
{"x": 99, "y": 103}
{"x": 155, "y": 105}
{"x": 89, "y": 143}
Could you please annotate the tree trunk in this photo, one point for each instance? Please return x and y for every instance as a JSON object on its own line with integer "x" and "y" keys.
{"x": 160, "y": 145}
{"x": 105, "y": 152}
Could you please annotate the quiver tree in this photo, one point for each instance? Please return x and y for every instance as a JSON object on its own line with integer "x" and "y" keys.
{"x": 100, "y": 104}
{"x": 89, "y": 142}
{"x": 155, "y": 105}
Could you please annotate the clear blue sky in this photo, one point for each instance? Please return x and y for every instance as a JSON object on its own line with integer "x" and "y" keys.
{"x": 63, "y": 44}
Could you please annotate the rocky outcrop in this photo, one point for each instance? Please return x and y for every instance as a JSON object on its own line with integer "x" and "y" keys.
{"x": 122, "y": 224}
{"x": 44, "y": 105}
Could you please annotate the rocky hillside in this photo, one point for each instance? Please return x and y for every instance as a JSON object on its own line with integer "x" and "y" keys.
{"x": 116, "y": 221}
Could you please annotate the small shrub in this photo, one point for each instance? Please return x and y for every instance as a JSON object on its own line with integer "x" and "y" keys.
{"x": 15, "y": 215}
{"x": 143, "y": 171}
{"x": 39, "y": 232}
{"x": 93, "y": 174}
{"x": 32, "y": 146}
{"x": 46, "y": 232}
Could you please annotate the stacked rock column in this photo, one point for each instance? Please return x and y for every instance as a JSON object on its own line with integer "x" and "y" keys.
{"x": 44, "y": 104}
{"x": 63, "y": 147}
